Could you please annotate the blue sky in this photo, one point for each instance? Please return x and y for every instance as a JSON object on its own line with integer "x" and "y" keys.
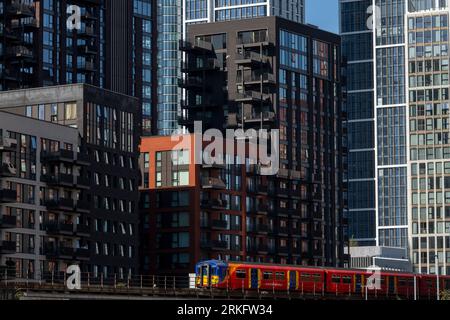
{"x": 323, "y": 13}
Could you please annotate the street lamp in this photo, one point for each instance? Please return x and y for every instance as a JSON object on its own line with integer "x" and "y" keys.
{"x": 437, "y": 277}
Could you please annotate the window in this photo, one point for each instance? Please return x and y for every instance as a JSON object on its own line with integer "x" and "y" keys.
{"x": 70, "y": 111}
{"x": 336, "y": 279}
{"x": 241, "y": 274}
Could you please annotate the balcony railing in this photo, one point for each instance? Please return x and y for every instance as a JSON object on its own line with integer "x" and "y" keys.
{"x": 252, "y": 96}
{"x": 208, "y": 65}
{"x": 88, "y": 31}
{"x": 250, "y": 57}
{"x": 20, "y": 9}
{"x": 265, "y": 116}
{"x": 8, "y": 196}
{"x": 8, "y": 144}
{"x": 83, "y": 229}
{"x": 213, "y": 183}
{"x": 8, "y": 222}
{"x": 61, "y": 155}
{"x": 19, "y": 52}
{"x": 82, "y": 206}
{"x": 191, "y": 82}
{"x": 24, "y": 23}
{"x": 220, "y": 224}
{"x": 215, "y": 204}
{"x": 7, "y": 170}
{"x": 256, "y": 78}
{"x": 60, "y": 204}
{"x": 7, "y": 247}
{"x": 60, "y": 179}
{"x": 81, "y": 253}
{"x": 199, "y": 46}
{"x": 59, "y": 228}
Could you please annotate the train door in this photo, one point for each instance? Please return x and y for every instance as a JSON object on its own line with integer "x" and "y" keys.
{"x": 254, "y": 281}
{"x": 391, "y": 284}
{"x": 292, "y": 280}
{"x": 205, "y": 276}
{"x": 358, "y": 283}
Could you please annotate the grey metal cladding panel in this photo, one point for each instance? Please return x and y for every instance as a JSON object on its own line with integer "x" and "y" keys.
{"x": 38, "y": 128}
{"x": 44, "y": 95}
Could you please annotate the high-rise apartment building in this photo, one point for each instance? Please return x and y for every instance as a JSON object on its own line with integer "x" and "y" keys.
{"x": 113, "y": 48}
{"x": 173, "y": 17}
{"x": 273, "y": 73}
{"x": 410, "y": 82}
{"x": 69, "y": 181}
{"x": 357, "y": 49}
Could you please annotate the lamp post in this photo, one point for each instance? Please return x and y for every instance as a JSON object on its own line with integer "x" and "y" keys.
{"x": 438, "y": 293}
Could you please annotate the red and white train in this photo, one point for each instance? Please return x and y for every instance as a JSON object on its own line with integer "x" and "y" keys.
{"x": 314, "y": 280}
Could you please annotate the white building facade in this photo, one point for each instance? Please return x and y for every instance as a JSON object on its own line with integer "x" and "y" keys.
{"x": 411, "y": 75}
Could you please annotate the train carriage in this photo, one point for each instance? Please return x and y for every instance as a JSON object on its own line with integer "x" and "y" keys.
{"x": 314, "y": 280}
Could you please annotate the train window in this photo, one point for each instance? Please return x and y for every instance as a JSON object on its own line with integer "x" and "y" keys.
{"x": 347, "y": 279}
{"x": 317, "y": 278}
{"x": 335, "y": 279}
{"x": 267, "y": 275}
{"x": 305, "y": 277}
{"x": 241, "y": 274}
{"x": 447, "y": 284}
{"x": 279, "y": 275}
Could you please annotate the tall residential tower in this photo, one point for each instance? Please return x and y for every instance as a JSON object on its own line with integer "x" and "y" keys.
{"x": 357, "y": 49}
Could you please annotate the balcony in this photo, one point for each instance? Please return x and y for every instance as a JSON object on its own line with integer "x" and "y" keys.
{"x": 86, "y": 50}
{"x": 86, "y": 32}
{"x": 7, "y": 170}
{"x": 60, "y": 253}
{"x": 8, "y": 222}
{"x": 283, "y": 231}
{"x": 186, "y": 120}
{"x": 256, "y": 40}
{"x": 82, "y": 254}
{"x": 191, "y": 83}
{"x": 83, "y": 159}
{"x": 8, "y": 145}
{"x": 7, "y": 247}
{"x": 250, "y": 58}
{"x": 219, "y": 245}
{"x": 82, "y": 183}
{"x": 252, "y": 97}
{"x": 61, "y": 179}
{"x": 283, "y": 173}
{"x": 61, "y": 228}
{"x": 258, "y": 117}
{"x": 19, "y": 9}
{"x": 60, "y": 205}
{"x": 82, "y": 207}
{"x": 83, "y": 230}
{"x": 62, "y": 156}
{"x": 213, "y": 183}
{"x": 87, "y": 66}
{"x": 206, "y": 103}
{"x": 218, "y": 204}
{"x": 208, "y": 65}
{"x": 24, "y": 24}
{"x": 198, "y": 47}
{"x": 8, "y": 196}
{"x": 214, "y": 166}
{"x": 220, "y": 225}
{"x": 19, "y": 53}
{"x": 258, "y": 249}
{"x": 256, "y": 79}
